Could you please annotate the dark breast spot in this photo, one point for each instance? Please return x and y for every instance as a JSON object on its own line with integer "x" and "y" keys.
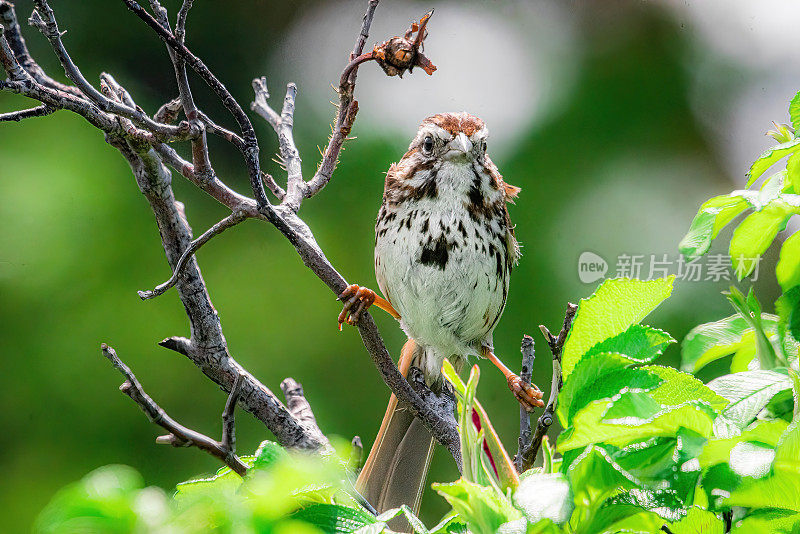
{"x": 435, "y": 253}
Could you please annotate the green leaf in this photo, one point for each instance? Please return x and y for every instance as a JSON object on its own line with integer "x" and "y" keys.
{"x": 698, "y": 521}
{"x": 663, "y": 502}
{"x": 788, "y": 268}
{"x": 791, "y": 183}
{"x": 794, "y": 111}
{"x": 334, "y": 518}
{"x": 266, "y": 455}
{"x": 754, "y": 235}
{"x": 601, "y": 377}
{"x": 588, "y": 425}
{"x": 482, "y": 507}
{"x": 416, "y": 525}
{"x": 766, "y": 433}
{"x": 769, "y": 158}
{"x": 748, "y": 392}
{"x": 640, "y": 343}
{"x": 677, "y": 388}
{"x": 711, "y": 218}
{"x": 788, "y": 309}
{"x": 631, "y": 407}
{"x": 780, "y": 490}
{"x": 616, "y": 305}
{"x": 103, "y": 501}
{"x": 593, "y": 476}
{"x": 768, "y": 520}
{"x": 544, "y": 496}
{"x": 711, "y": 341}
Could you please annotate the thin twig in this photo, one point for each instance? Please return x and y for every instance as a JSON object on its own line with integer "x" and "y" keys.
{"x": 250, "y": 149}
{"x": 44, "y": 19}
{"x": 38, "y": 111}
{"x": 179, "y": 435}
{"x": 228, "y": 440}
{"x": 228, "y": 222}
{"x": 526, "y": 374}
{"x": 556, "y": 344}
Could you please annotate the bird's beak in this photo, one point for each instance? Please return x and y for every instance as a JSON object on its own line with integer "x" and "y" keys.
{"x": 460, "y": 146}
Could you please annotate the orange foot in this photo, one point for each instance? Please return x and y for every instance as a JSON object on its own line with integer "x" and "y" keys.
{"x": 528, "y": 395}
{"x": 357, "y": 299}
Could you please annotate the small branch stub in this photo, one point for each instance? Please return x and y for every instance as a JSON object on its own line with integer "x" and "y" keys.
{"x": 529, "y": 451}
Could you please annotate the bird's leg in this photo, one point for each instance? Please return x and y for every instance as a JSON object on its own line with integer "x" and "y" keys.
{"x": 357, "y": 299}
{"x": 528, "y": 395}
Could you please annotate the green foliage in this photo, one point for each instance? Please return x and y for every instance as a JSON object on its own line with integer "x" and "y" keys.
{"x": 644, "y": 447}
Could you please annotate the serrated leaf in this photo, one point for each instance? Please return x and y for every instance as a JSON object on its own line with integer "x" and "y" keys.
{"x": 711, "y": 341}
{"x": 665, "y": 503}
{"x": 616, "y": 305}
{"x": 768, "y": 520}
{"x": 334, "y": 518}
{"x": 698, "y": 521}
{"x": 267, "y": 454}
{"x": 788, "y": 268}
{"x": 748, "y": 392}
{"x": 788, "y": 309}
{"x": 102, "y": 501}
{"x": 766, "y": 433}
{"x": 769, "y": 158}
{"x": 639, "y": 342}
{"x": 589, "y": 428}
{"x": 791, "y": 182}
{"x": 794, "y": 111}
{"x": 678, "y": 387}
{"x": 593, "y": 475}
{"x": 779, "y": 490}
{"x": 754, "y": 235}
{"x": 632, "y": 408}
{"x": 711, "y": 218}
{"x": 545, "y": 496}
{"x": 483, "y": 508}
{"x": 601, "y": 377}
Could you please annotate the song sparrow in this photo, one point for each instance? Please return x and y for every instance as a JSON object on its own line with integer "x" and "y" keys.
{"x": 444, "y": 250}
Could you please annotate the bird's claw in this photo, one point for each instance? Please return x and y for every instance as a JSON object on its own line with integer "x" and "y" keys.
{"x": 356, "y": 299}
{"x": 528, "y": 395}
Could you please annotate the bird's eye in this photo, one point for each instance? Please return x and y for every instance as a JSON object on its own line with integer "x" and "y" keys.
{"x": 427, "y": 145}
{"x": 483, "y": 145}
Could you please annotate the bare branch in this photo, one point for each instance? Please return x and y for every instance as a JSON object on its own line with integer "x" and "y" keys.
{"x": 207, "y": 347}
{"x": 168, "y": 112}
{"x": 298, "y": 406}
{"x": 231, "y": 220}
{"x": 526, "y": 374}
{"x": 38, "y": 111}
{"x": 228, "y": 440}
{"x": 179, "y": 435}
{"x": 8, "y": 19}
{"x": 139, "y": 142}
{"x": 556, "y": 344}
{"x": 250, "y": 149}
{"x": 44, "y": 19}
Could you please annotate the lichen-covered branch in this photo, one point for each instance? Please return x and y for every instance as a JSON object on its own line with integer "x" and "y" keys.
{"x": 556, "y": 344}
{"x": 526, "y": 374}
{"x": 179, "y": 435}
{"x": 143, "y": 142}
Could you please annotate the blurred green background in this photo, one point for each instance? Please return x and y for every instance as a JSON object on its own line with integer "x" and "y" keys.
{"x": 617, "y": 119}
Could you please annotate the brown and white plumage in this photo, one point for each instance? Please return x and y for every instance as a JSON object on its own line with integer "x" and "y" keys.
{"x": 444, "y": 250}
{"x": 444, "y": 243}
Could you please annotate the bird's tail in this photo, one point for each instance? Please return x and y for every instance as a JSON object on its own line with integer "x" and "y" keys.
{"x": 397, "y": 466}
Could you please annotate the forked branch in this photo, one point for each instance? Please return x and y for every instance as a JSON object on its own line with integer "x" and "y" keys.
{"x": 528, "y": 453}
{"x": 179, "y": 435}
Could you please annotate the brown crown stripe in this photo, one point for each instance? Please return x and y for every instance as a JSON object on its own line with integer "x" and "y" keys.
{"x": 456, "y": 122}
